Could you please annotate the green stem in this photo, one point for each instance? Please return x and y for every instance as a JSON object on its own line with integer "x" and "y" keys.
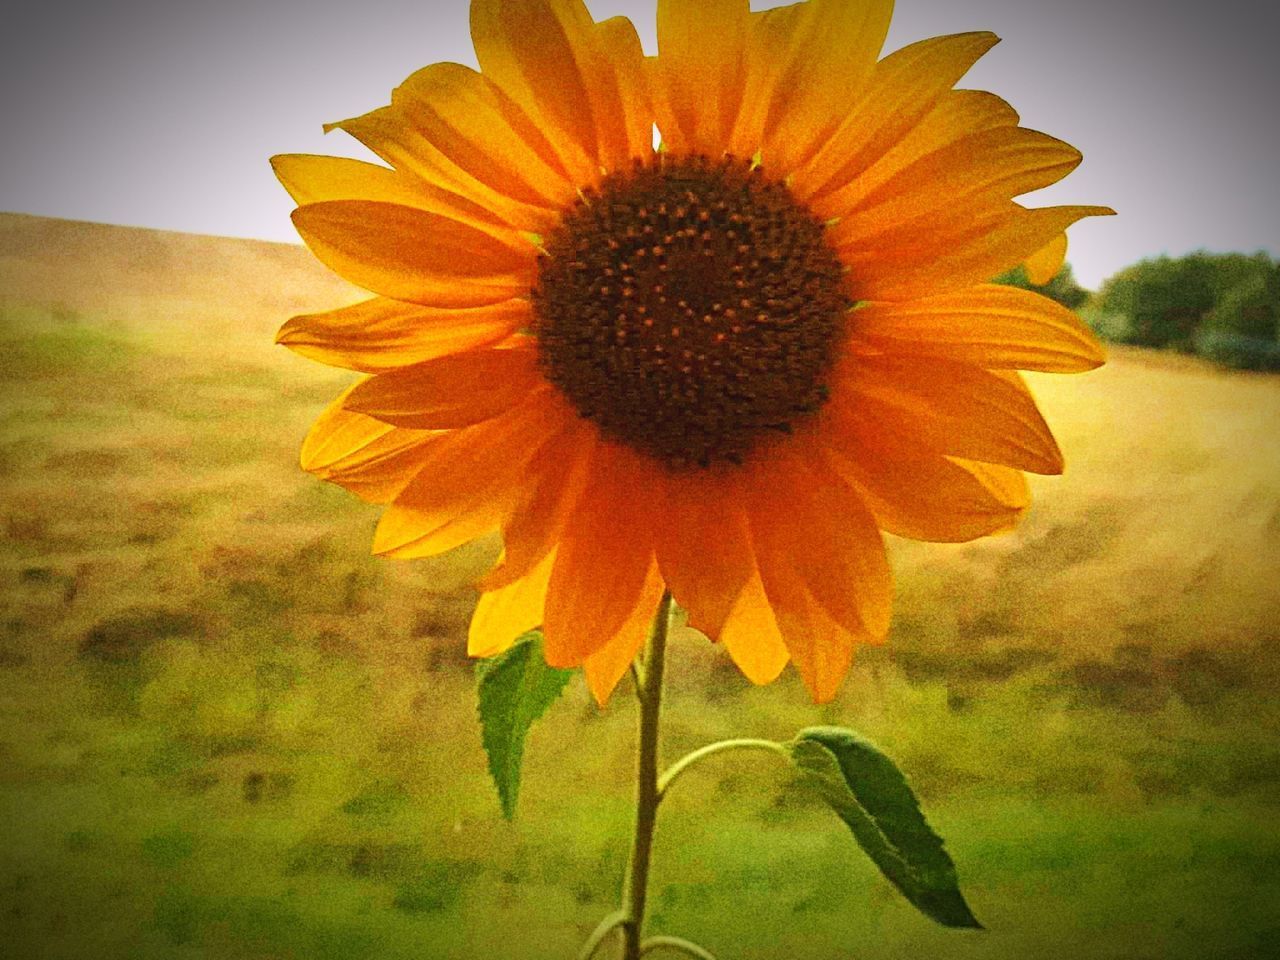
{"x": 688, "y": 760}
{"x": 650, "y": 692}
{"x": 598, "y": 936}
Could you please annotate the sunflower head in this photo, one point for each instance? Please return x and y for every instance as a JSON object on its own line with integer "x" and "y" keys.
{"x": 688, "y": 307}
{"x": 724, "y": 367}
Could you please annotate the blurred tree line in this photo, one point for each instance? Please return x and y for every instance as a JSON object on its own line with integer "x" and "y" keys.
{"x": 1225, "y": 307}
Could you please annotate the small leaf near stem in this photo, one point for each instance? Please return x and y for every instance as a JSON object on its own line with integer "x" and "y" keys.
{"x": 514, "y": 689}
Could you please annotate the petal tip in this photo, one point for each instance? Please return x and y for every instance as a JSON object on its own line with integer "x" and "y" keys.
{"x": 288, "y": 334}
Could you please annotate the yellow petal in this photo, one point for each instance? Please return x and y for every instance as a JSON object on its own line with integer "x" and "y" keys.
{"x": 820, "y": 648}
{"x": 767, "y": 33}
{"x": 828, "y": 51}
{"x": 808, "y": 524}
{"x": 630, "y": 134}
{"x": 603, "y": 559}
{"x": 483, "y": 132}
{"x": 989, "y": 325}
{"x": 373, "y": 460}
{"x": 945, "y": 407}
{"x": 381, "y": 334}
{"x": 605, "y": 667}
{"x": 502, "y": 615}
{"x": 316, "y": 179}
{"x": 918, "y": 494}
{"x": 1006, "y": 484}
{"x": 972, "y": 177}
{"x": 924, "y": 259}
{"x": 901, "y": 90}
{"x": 408, "y": 254}
{"x": 391, "y": 134}
{"x": 957, "y": 114}
{"x": 751, "y": 634}
{"x": 1045, "y": 264}
{"x": 697, "y": 78}
{"x": 450, "y": 392}
{"x": 557, "y": 476}
{"x": 542, "y": 56}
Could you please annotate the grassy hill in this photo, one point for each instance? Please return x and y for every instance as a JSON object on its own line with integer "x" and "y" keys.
{"x": 226, "y": 731}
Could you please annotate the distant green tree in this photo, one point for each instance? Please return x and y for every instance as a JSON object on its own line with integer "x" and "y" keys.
{"x": 1062, "y": 288}
{"x": 1243, "y": 328}
{"x": 1223, "y": 306}
{"x": 1251, "y": 306}
{"x": 1164, "y": 300}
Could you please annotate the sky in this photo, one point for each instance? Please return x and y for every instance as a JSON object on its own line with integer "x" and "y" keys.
{"x": 162, "y": 113}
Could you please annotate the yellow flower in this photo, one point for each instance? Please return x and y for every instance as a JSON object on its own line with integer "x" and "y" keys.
{"x": 726, "y": 366}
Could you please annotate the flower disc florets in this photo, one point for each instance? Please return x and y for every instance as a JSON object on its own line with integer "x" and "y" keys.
{"x": 689, "y": 307}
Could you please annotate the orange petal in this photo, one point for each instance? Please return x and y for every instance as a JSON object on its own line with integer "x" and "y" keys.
{"x": 373, "y": 460}
{"x": 502, "y": 615}
{"x": 923, "y": 259}
{"x": 316, "y": 179}
{"x": 542, "y": 54}
{"x": 381, "y": 334}
{"x": 588, "y": 81}
{"x": 751, "y": 634}
{"x": 450, "y": 392}
{"x": 768, "y": 31}
{"x": 469, "y": 481}
{"x": 1006, "y": 484}
{"x": 631, "y": 135}
{"x": 821, "y": 648}
{"x": 989, "y": 325}
{"x": 917, "y": 494}
{"x": 942, "y": 406}
{"x": 1046, "y": 263}
{"x": 605, "y": 667}
{"x": 828, "y": 51}
{"x": 954, "y": 116}
{"x": 603, "y": 559}
{"x": 697, "y": 78}
{"x": 391, "y": 134}
{"x": 558, "y": 474}
{"x": 483, "y": 132}
{"x": 901, "y": 90}
{"x": 409, "y": 254}
{"x": 702, "y": 546}
{"x": 822, "y": 564}
{"x": 977, "y": 174}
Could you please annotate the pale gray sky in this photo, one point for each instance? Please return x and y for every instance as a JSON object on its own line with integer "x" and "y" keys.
{"x": 162, "y": 113}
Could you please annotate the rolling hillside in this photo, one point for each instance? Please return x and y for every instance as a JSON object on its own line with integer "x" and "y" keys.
{"x": 227, "y": 731}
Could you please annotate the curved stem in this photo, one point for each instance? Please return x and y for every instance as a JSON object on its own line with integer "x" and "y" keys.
{"x": 675, "y": 943}
{"x": 610, "y": 923}
{"x": 688, "y": 760}
{"x": 636, "y": 890}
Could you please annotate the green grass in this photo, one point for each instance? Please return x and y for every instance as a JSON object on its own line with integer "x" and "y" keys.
{"x": 226, "y": 731}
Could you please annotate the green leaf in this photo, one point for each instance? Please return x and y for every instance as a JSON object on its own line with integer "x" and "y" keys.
{"x": 514, "y": 689}
{"x": 870, "y": 794}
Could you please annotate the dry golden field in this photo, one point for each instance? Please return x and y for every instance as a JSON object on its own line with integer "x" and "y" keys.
{"x": 226, "y": 731}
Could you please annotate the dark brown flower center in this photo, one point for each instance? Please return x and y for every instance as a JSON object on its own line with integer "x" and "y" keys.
{"x": 688, "y": 308}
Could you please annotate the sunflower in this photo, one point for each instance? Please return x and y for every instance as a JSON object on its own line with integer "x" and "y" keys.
{"x": 723, "y": 367}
